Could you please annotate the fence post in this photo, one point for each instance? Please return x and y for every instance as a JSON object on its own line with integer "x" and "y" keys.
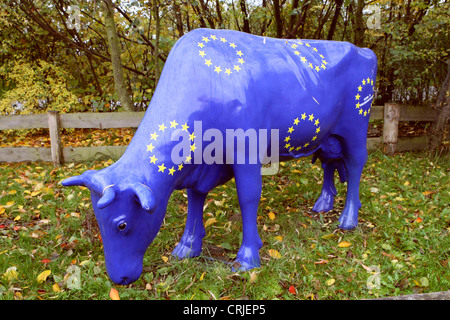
{"x": 390, "y": 127}
{"x": 55, "y": 136}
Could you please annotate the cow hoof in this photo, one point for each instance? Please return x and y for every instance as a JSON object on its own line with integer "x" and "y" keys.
{"x": 182, "y": 251}
{"x": 348, "y": 223}
{"x": 324, "y": 203}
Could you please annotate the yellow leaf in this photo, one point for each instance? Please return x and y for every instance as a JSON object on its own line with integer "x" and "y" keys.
{"x": 9, "y": 204}
{"x": 12, "y": 191}
{"x": 35, "y": 193}
{"x": 11, "y": 273}
{"x": 406, "y": 183}
{"x": 274, "y": 254}
{"x": 165, "y": 259}
{"x": 114, "y": 294}
{"x": 56, "y": 288}
{"x": 329, "y": 282}
{"x": 328, "y": 236}
{"x": 17, "y": 218}
{"x": 43, "y": 276}
{"x": 253, "y": 276}
{"x": 209, "y": 222}
{"x": 279, "y": 238}
{"x": 271, "y": 215}
{"x": 202, "y": 276}
{"x": 344, "y": 244}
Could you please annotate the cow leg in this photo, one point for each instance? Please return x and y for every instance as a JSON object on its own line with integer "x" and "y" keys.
{"x": 354, "y": 161}
{"x": 326, "y": 199}
{"x": 190, "y": 244}
{"x": 248, "y": 185}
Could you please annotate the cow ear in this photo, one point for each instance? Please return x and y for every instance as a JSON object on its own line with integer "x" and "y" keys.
{"x": 145, "y": 197}
{"x": 108, "y": 196}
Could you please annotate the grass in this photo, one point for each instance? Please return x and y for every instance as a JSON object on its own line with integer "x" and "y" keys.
{"x": 401, "y": 245}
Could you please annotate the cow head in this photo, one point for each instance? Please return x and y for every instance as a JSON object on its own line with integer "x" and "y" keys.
{"x": 129, "y": 217}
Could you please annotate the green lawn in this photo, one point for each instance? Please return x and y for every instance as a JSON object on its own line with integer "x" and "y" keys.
{"x": 50, "y": 247}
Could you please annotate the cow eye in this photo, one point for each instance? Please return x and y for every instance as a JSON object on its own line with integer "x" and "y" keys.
{"x": 122, "y": 226}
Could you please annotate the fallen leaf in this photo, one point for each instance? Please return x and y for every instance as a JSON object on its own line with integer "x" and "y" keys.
{"x": 210, "y": 221}
{"x": 165, "y": 259}
{"x": 11, "y": 274}
{"x": 271, "y": 215}
{"x": 330, "y": 282}
{"x": 12, "y": 192}
{"x": 328, "y": 236}
{"x": 279, "y": 238}
{"x": 344, "y": 244}
{"x": 292, "y": 290}
{"x": 274, "y": 254}
{"x": 114, "y": 294}
{"x": 43, "y": 276}
{"x": 253, "y": 276}
{"x": 56, "y": 288}
{"x": 202, "y": 276}
{"x": 418, "y": 220}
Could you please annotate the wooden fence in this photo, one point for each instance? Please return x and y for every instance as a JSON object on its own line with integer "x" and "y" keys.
{"x": 390, "y": 113}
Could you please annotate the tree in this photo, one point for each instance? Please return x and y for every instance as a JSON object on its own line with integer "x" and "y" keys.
{"x": 114, "y": 49}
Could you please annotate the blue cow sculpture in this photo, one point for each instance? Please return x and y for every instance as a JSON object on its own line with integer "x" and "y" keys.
{"x": 313, "y": 97}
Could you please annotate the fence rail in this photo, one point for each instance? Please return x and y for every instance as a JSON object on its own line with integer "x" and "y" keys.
{"x": 390, "y": 113}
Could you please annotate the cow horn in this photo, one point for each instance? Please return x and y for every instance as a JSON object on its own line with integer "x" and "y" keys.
{"x": 108, "y": 196}
{"x": 82, "y": 180}
{"x": 145, "y": 196}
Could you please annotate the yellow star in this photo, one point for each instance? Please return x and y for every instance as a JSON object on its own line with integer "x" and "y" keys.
{"x": 324, "y": 61}
{"x": 173, "y": 124}
{"x": 227, "y": 71}
{"x": 154, "y": 136}
{"x": 161, "y": 168}
{"x": 205, "y": 39}
{"x": 287, "y": 145}
{"x": 311, "y": 117}
{"x": 306, "y": 144}
{"x": 217, "y": 69}
{"x": 294, "y": 46}
{"x": 150, "y": 147}
{"x": 223, "y": 40}
{"x": 317, "y": 68}
{"x": 321, "y": 56}
{"x": 213, "y": 37}
{"x": 232, "y": 45}
{"x": 311, "y": 66}
{"x": 357, "y": 96}
{"x": 171, "y": 171}
{"x": 357, "y": 105}
{"x": 180, "y": 166}
{"x": 185, "y": 127}
{"x": 202, "y": 53}
{"x": 239, "y": 53}
{"x": 296, "y": 121}
{"x": 237, "y": 68}
{"x": 360, "y": 111}
{"x": 290, "y": 129}
{"x": 318, "y": 130}
{"x": 315, "y": 49}
{"x": 188, "y": 159}
{"x": 303, "y": 116}
{"x": 364, "y": 82}
{"x": 368, "y": 80}
{"x": 307, "y": 44}
{"x": 371, "y": 82}
{"x": 208, "y": 62}
{"x": 316, "y": 123}
{"x": 153, "y": 159}
{"x": 314, "y": 138}
{"x": 192, "y": 136}
{"x": 298, "y": 148}
{"x": 291, "y": 148}
{"x": 365, "y": 113}
{"x": 162, "y": 127}
{"x": 297, "y": 52}
{"x": 200, "y": 44}
{"x": 303, "y": 59}
{"x": 359, "y": 88}
{"x": 241, "y": 61}
{"x": 287, "y": 139}
{"x": 323, "y": 67}
{"x": 193, "y": 147}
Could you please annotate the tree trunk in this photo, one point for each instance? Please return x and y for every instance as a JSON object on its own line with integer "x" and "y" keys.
{"x": 157, "y": 34}
{"x": 246, "y": 27}
{"x": 440, "y": 128}
{"x": 337, "y": 12}
{"x": 278, "y": 20}
{"x": 178, "y": 18}
{"x": 359, "y": 24}
{"x": 113, "y": 43}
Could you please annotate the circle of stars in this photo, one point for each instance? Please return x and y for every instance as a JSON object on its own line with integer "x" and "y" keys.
{"x": 310, "y": 64}
{"x": 366, "y": 87}
{"x": 308, "y": 118}
{"x": 208, "y": 60}
{"x": 170, "y": 170}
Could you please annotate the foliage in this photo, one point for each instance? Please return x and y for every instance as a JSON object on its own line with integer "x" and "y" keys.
{"x": 51, "y": 248}
{"x": 411, "y": 41}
